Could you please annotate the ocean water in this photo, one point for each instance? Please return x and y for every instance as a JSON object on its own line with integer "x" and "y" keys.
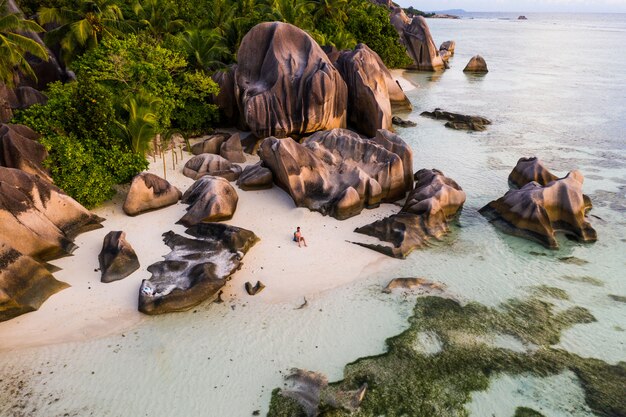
{"x": 557, "y": 90}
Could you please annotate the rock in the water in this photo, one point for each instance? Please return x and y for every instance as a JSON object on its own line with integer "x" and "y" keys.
{"x": 337, "y": 172}
{"x": 398, "y": 121}
{"x": 117, "y": 257}
{"x": 531, "y": 169}
{"x": 369, "y": 108}
{"x": 476, "y": 64}
{"x": 24, "y": 283}
{"x": 420, "y": 45}
{"x": 211, "y": 144}
{"x": 255, "y": 177}
{"x": 231, "y": 149}
{"x": 537, "y": 212}
{"x": 414, "y": 284}
{"x": 459, "y": 121}
{"x": 285, "y": 83}
{"x": 312, "y": 393}
{"x": 210, "y": 164}
{"x": 522, "y": 17}
{"x": 210, "y": 199}
{"x": 448, "y": 46}
{"x": 19, "y": 149}
{"x": 433, "y": 202}
{"x": 37, "y": 218}
{"x": 254, "y": 289}
{"x": 149, "y": 192}
{"x": 196, "y": 269}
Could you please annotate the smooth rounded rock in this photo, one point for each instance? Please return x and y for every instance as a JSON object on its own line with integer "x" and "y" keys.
{"x": 117, "y": 258}
{"x": 210, "y": 164}
{"x": 210, "y": 199}
{"x": 477, "y": 65}
{"x": 149, "y": 192}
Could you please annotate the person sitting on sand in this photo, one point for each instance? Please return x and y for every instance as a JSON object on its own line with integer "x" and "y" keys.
{"x": 297, "y": 237}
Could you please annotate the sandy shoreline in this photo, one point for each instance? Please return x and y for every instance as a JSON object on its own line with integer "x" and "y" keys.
{"x": 91, "y": 309}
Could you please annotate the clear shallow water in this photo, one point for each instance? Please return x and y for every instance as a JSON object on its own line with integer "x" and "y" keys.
{"x": 556, "y": 89}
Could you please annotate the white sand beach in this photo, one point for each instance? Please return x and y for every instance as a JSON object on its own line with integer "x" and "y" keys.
{"x": 90, "y": 309}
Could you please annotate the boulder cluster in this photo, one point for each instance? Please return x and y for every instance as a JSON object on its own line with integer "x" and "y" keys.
{"x": 459, "y": 121}
{"x": 435, "y": 200}
{"x": 38, "y": 222}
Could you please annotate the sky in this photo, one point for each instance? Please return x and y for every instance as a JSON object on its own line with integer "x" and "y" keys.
{"x": 599, "y": 6}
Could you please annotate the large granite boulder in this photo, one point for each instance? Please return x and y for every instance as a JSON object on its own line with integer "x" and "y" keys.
{"x": 429, "y": 207}
{"x": 419, "y": 43}
{"x": 369, "y": 108}
{"x": 210, "y": 164}
{"x": 210, "y": 199}
{"x": 255, "y": 177}
{"x": 537, "y": 212}
{"x": 149, "y": 192}
{"x": 211, "y": 144}
{"x": 336, "y": 172}
{"x": 459, "y": 121}
{"x": 446, "y": 50}
{"x": 394, "y": 143}
{"x": 37, "y": 218}
{"x": 196, "y": 269}
{"x": 476, "y": 64}
{"x": 226, "y": 99}
{"x": 231, "y": 149}
{"x": 19, "y": 149}
{"x": 117, "y": 258}
{"x": 285, "y": 83}
{"x": 25, "y": 283}
{"x": 532, "y": 169}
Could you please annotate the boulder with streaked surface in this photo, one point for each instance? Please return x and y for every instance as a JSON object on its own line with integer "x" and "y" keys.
{"x": 210, "y": 199}
{"x": 149, "y": 192}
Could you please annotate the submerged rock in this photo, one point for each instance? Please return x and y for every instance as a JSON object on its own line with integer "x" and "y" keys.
{"x": 25, "y": 283}
{"x": 419, "y": 44}
{"x": 19, "y": 149}
{"x": 459, "y": 121}
{"x": 414, "y": 283}
{"x": 537, "y": 212}
{"x": 210, "y": 164}
{"x": 210, "y": 199}
{"x": 196, "y": 269}
{"x": 285, "y": 83}
{"x": 149, "y": 192}
{"x": 337, "y": 172}
{"x": 477, "y": 64}
{"x": 255, "y": 177}
{"x": 429, "y": 206}
{"x": 117, "y": 258}
{"x": 446, "y": 50}
{"x": 398, "y": 121}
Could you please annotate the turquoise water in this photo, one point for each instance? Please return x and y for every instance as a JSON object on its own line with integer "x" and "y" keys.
{"x": 557, "y": 90}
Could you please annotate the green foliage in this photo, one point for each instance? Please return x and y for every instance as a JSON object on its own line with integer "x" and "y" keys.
{"x": 14, "y": 46}
{"x": 140, "y": 125}
{"x": 412, "y": 11}
{"x": 86, "y": 154}
{"x": 407, "y": 381}
{"x": 284, "y": 407}
{"x": 195, "y": 114}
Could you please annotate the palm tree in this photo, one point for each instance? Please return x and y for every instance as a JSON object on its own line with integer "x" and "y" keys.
{"x": 156, "y": 16}
{"x": 142, "y": 124}
{"x": 83, "y": 29}
{"x": 205, "y": 49}
{"x": 334, "y": 10}
{"x": 15, "y": 46}
{"x": 296, "y": 12}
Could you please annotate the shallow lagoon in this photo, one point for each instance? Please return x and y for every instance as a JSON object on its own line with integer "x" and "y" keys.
{"x": 556, "y": 89}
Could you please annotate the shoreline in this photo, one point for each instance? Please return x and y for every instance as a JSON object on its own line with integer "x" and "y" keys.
{"x": 89, "y": 309}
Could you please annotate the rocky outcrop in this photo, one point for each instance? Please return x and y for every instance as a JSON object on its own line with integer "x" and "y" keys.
{"x": 210, "y": 199}
{"x": 476, "y": 65}
{"x": 446, "y": 50}
{"x": 419, "y": 43}
{"x": 19, "y": 149}
{"x": 255, "y": 177}
{"x": 537, "y": 212}
{"x": 312, "y": 393}
{"x": 211, "y": 144}
{"x": 209, "y": 164}
{"x": 398, "y": 121}
{"x": 531, "y": 169}
{"x": 25, "y": 283}
{"x": 149, "y": 192}
{"x": 117, "y": 258}
{"x": 369, "y": 108}
{"x": 226, "y": 99}
{"x": 459, "y": 121}
{"x": 231, "y": 149}
{"x": 38, "y": 219}
{"x": 433, "y": 202}
{"x": 337, "y": 172}
{"x": 196, "y": 269}
{"x": 285, "y": 84}
{"x": 37, "y": 223}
